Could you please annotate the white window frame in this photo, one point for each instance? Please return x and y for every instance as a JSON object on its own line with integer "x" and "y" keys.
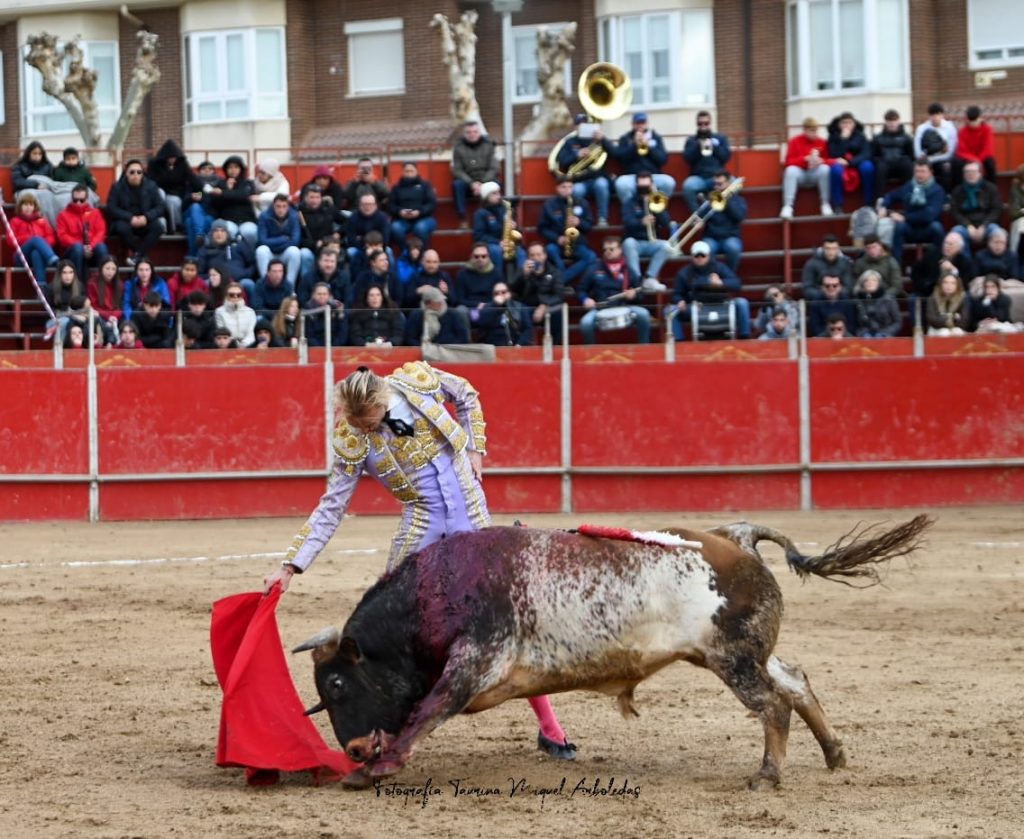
{"x": 800, "y": 88}
{"x": 252, "y": 96}
{"x": 1004, "y": 60}
{"x": 32, "y": 87}
{"x": 372, "y": 27}
{"x": 3, "y": 99}
{"x": 531, "y": 32}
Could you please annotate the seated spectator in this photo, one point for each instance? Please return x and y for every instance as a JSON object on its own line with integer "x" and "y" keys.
{"x": 474, "y": 163}
{"x": 190, "y": 336}
{"x": 199, "y": 215}
{"x": 197, "y": 311}
{"x": 641, "y": 227}
{"x": 318, "y": 225}
{"x": 378, "y": 273}
{"x": 936, "y": 139}
{"x": 366, "y": 182}
{"x": 953, "y": 257}
{"x": 231, "y": 200}
{"x": 559, "y": 215}
{"x": 136, "y": 211}
{"x": 105, "y": 292}
{"x": 505, "y": 322}
{"x": 185, "y": 281}
{"x": 406, "y": 268}
{"x": 976, "y": 143}
{"x": 368, "y": 218}
{"x": 102, "y": 333}
{"x": 375, "y": 321}
{"x": 66, "y": 287}
{"x": 707, "y": 152}
{"x": 540, "y": 287}
{"x": 279, "y": 237}
{"x": 152, "y": 323}
{"x": 412, "y": 205}
{"x": 807, "y": 165}
{"x": 144, "y": 281}
{"x": 990, "y": 311}
{"x": 30, "y": 231}
{"x": 77, "y": 338}
{"x": 333, "y": 194}
{"x": 877, "y": 315}
{"x": 834, "y": 301}
{"x": 877, "y": 258}
{"x": 775, "y": 301}
{"x": 1017, "y": 212}
{"x": 997, "y": 258}
{"x": 268, "y": 184}
{"x": 271, "y": 290}
{"x": 234, "y": 254}
{"x": 286, "y": 322}
{"x": 71, "y": 169}
{"x": 169, "y": 169}
{"x": 264, "y": 337}
{"x": 315, "y": 315}
{"x": 827, "y": 261}
{"x": 128, "y": 337}
{"x": 837, "y": 328}
{"x": 331, "y": 268}
{"x": 223, "y": 339}
{"x": 778, "y": 326}
{"x": 435, "y": 322}
{"x": 430, "y": 275}
{"x": 706, "y": 280}
{"x": 948, "y": 309}
{"x": 892, "y": 151}
{"x": 641, "y": 150}
{"x": 975, "y": 206}
{"x": 722, "y": 227}
{"x": 850, "y": 151}
{"x": 474, "y": 284}
{"x": 219, "y": 277}
{"x": 591, "y": 181}
{"x": 235, "y": 316}
{"x": 32, "y": 174}
{"x": 489, "y": 224}
{"x": 82, "y": 231}
{"x": 611, "y": 276}
{"x": 920, "y": 200}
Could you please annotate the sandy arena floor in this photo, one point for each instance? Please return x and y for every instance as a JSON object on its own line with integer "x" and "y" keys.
{"x": 109, "y": 707}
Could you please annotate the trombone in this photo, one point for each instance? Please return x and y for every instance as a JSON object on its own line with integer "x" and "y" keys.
{"x": 657, "y": 202}
{"x": 714, "y": 203}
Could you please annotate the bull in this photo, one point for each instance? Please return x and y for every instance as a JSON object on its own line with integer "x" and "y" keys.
{"x": 508, "y": 612}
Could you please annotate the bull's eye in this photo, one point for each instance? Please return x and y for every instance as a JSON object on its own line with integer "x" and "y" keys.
{"x": 334, "y": 685}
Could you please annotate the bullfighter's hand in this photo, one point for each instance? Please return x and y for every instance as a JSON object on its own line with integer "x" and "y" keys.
{"x": 476, "y": 461}
{"x": 282, "y": 575}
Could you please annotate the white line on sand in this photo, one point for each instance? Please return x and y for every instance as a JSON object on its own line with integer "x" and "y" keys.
{"x": 167, "y": 559}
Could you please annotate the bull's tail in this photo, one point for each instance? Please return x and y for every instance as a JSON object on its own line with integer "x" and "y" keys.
{"x": 854, "y": 555}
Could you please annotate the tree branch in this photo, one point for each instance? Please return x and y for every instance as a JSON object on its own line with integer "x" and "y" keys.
{"x": 458, "y": 52}
{"x": 553, "y": 51}
{"x": 145, "y": 75}
{"x": 75, "y": 90}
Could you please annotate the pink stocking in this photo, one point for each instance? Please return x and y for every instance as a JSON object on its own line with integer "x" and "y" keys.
{"x": 549, "y": 725}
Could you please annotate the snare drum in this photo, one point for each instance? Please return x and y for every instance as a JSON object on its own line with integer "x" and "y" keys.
{"x": 617, "y": 317}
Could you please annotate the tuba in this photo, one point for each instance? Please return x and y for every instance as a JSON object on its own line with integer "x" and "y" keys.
{"x": 605, "y": 92}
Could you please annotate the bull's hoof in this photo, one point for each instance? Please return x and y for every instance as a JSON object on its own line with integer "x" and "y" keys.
{"x": 385, "y": 768}
{"x": 835, "y": 757}
{"x": 559, "y": 751}
{"x": 358, "y": 779}
{"x": 762, "y": 783}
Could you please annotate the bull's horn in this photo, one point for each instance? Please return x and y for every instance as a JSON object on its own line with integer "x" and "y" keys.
{"x": 315, "y": 709}
{"x": 330, "y": 635}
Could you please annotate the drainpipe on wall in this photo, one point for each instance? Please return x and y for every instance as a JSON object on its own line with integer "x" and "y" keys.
{"x": 748, "y": 71}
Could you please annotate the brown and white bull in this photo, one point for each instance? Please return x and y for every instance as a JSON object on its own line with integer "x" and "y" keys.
{"x": 507, "y": 612}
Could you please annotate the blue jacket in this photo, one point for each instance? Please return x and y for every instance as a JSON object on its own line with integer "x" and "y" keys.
{"x": 705, "y": 165}
{"x": 279, "y": 234}
{"x": 633, "y": 212}
{"x": 237, "y": 257}
{"x": 267, "y": 299}
{"x": 552, "y": 218}
{"x": 474, "y": 287}
{"x": 132, "y": 300}
{"x": 693, "y": 283}
{"x": 568, "y": 155}
{"x": 920, "y": 216}
{"x": 727, "y": 223}
{"x": 507, "y": 326}
{"x": 633, "y": 162}
{"x": 488, "y": 223}
{"x": 359, "y": 225}
{"x": 599, "y": 283}
{"x": 413, "y": 194}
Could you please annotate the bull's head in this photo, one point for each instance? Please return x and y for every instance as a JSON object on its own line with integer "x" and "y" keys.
{"x": 367, "y": 698}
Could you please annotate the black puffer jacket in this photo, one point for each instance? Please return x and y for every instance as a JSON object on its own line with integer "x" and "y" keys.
{"x": 177, "y": 179}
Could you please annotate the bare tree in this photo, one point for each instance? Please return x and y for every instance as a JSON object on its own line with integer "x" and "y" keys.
{"x": 553, "y": 51}
{"x": 458, "y": 47}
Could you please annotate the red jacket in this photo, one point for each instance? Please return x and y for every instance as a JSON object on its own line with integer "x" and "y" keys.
{"x": 23, "y": 229}
{"x": 109, "y": 306}
{"x": 71, "y": 226}
{"x": 799, "y": 147}
{"x": 976, "y": 143}
{"x": 179, "y": 290}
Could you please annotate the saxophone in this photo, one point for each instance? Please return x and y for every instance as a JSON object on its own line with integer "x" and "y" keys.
{"x": 510, "y": 237}
{"x": 571, "y": 233}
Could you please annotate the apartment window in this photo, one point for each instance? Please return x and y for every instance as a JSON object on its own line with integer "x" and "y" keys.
{"x": 235, "y": 75}
{"x": 376, "y": 57}
{"x": 837, "y": 46}
{"x": 995, "y": 33}
{"x": 669, "y": 56}
{"x": 46, "y": 115}
{"x": 524, "y": 62}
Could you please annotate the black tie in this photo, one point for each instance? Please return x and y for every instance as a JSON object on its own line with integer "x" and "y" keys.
{"x": 398, "y": 427}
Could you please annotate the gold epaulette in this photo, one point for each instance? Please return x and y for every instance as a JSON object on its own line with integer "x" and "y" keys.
{"x": 350, "y": 446}
{"x": 418, "y": 376}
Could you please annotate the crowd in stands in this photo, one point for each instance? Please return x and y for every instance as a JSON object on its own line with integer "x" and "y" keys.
{"x": 270, "y": 263}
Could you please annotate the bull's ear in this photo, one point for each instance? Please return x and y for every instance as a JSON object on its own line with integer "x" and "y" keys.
{"x": 348, "y": 650}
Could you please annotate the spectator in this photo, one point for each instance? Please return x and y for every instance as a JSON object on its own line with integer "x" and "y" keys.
{"x": 877, "y": 315}
{"x": 286, "y": 322}
{"x": 331, "y": 268}
{"x": 184, "y": 281}
{"x": 975, "y": 206}
{"x": 642, "y": 227}
{"x": 144, "y": 281}
{"x": 223, "y": 339}
{"x": 235, "y": 256}
{"x": 318, "y": 224}
{"x": 197, "y": 312}
{"x": 136, "y": 211}
{"x": 778, "y": 326}
{"x": 589, "y": 181}
{"x": 921, "y": 200}
{"x": 435, "y": 322}
{"x": 505, "y": 322}
{"x": 997, "y": 258}
{"x": 474, "y": 284}
{"x": 539, "y": 285}
{"x": 271, "y": 290}
{"x": 892, "y": 150}
{"x": 877, "y": 258}
{"x": 1017, "y": 212}
{"x": 776, "y": 300}
{"x": 82, "y": 231}
{"x": 152, "y": 324}
{"x": 489, "y": 224}
{"x": 368, "y": 218}
{"x": 169, "y": 169}
{"x": 936, "y": 139}
{"x": 231, "y": 200}
{"x": 199, "y": 215}
{"x": 128, "y": 337}
{"x": 279, "y": 237}
{"x": 71, "y": 169}
{"x": 560, "y": 214}
{"x": 105, "y": 292}
{"x": 948, "y": 309}
{"x": 976, "y": 143}
{"x": 191, "y": 336}
{"x": 320, "y": 303}
{"x": 376, "y": 321}
{"x": 235, "y": 316}
{"x": 366, "y": 183}
{"x": 334, "y": 195}
{"x": 850, "y": 151}
{"x": 612, "y": 276}
{"x": 406, "y": 268}
{"x": 707, "y": 152}
{"x": 807, "y": 165}
{"x": 708, "y": 281}
{"x": 32, "y": 174}
{"x": 834, "y": 302}
{"x": 827, "y": 261}
{"x": 412, "y": 205}
{"x": 430, "y": 275}
{"x": 34, "y": 235}
{"x": 990, "y": 311}
{"x": 378, "y": 273}
{"x": 641, "y": 150}
{"x": 76, "y": 338}
{"x": 837, "y": 328}
{"x": 268, "y": 184}
{"x": 953, "y": 257}
{"x": 474, "y": 163}
{"x": 722, "y": 227}
{"x": 264, "y": 337}
{"x": 65, "y": 288}
{"x": 219, "y": 277}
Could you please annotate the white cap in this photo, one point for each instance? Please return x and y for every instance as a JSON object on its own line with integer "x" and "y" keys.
{"x": 700, "y": 247}
{"x": 487, "y": 188}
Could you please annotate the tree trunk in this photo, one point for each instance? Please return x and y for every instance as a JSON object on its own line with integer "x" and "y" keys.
{"x": 145, "y": 75}
{"x": 75, "y": 89}
{"x": 458, "y": 50}
{"x": 553, "y": 51}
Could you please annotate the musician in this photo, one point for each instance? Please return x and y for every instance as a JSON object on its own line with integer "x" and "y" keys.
{"x": 82, "y": 232}
{"x": 612, "y": 276}
{"x": 591, "y": 182}
{"x": 640, "y": 224}
{"x": 706, "y": 280}
{"x": 641, "y": 150}
{"x": 707, "y": 152}
{"x": 558, "y": 215}
{"x": 722, "y": 227}
{"x": 489, "y": 223}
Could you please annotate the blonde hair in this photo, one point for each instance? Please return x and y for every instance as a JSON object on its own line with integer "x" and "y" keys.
{"x": 29, "y": 198}
{"x": 361, "y": 392}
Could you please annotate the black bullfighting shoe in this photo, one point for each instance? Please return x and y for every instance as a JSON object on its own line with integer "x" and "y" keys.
{"x": 559, "y": 751}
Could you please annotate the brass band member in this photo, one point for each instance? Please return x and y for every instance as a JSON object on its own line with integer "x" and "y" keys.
{"x": 707, "y": 152}
{"x": 641, "y": 150}
{"x": 591, "y": 182}
{"x": 564, "y": 223}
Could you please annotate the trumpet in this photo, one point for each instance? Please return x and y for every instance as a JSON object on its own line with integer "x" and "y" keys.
{"x": 657, "y": 202}
{"x": 715, "y": 203}
{"x": 707, "y": 147}
{"x": 642, "y": 148}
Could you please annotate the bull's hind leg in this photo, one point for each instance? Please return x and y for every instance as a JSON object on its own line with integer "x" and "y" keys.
{"x": 792, "y": 681}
